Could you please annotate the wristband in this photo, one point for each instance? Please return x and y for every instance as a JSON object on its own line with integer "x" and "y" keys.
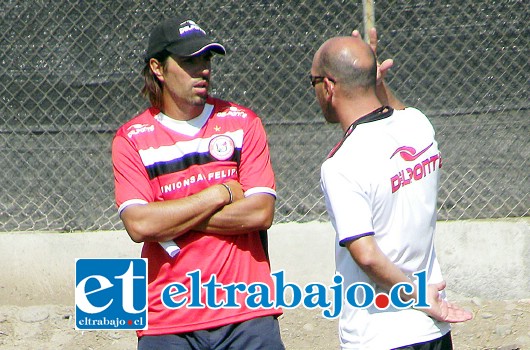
{"x": 229, "y": 192}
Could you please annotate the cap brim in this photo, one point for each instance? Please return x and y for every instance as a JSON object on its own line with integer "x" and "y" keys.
{"x": 215, "y": 47}
{"x": 196, "y": 47}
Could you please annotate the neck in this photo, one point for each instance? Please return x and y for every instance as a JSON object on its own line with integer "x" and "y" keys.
{"x": 181, "y": 110}
{"x": 352, "y": 110}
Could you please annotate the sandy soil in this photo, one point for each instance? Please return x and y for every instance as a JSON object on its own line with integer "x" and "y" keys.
{"x": 497, "y": 325}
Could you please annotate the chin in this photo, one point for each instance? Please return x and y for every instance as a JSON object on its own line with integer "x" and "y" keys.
{"x": 330, "y": 119}
{"x": 199, "y": 101}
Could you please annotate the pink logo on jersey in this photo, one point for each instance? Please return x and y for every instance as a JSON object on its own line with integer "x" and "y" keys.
{"x": 409, "y": 153}
{"x": 417, "y": 172}
{"x": 222, "y": 147}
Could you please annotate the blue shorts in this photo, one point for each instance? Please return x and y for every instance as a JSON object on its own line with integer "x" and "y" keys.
{"x": 262, "y": 333}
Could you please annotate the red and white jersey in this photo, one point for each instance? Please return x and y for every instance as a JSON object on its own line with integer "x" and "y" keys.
{"x": 383, "y": 180}
{"x": 157, "y": 158}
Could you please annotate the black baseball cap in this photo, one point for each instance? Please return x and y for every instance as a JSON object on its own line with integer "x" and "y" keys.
{"x": 182, "y": 37}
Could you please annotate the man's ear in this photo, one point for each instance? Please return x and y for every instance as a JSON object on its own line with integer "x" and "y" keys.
{"x": 156, "y": 68}
{"x": 329, "y": 86}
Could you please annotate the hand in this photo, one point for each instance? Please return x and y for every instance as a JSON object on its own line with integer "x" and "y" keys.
{"x": 382, "y": 68}
{"x": 442, "y": 310}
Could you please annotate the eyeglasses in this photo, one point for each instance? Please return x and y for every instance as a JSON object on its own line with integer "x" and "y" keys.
{"x": 318, "y": 79}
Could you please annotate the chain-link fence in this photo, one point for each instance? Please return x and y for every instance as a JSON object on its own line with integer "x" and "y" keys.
{"x": 70, "y": 75}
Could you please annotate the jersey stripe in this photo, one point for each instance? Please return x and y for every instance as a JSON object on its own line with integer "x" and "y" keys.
{"x": 172, "y": 166}
{"x": 184, "y": 154}
{"x": 180, "y": 149}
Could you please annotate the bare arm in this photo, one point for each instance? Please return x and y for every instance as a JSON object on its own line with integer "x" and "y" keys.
{"x": 207, "y": 211}
{"x": 252, "y": 213}
{"x": 385, "y": 274}
{"x": 387, "y": 97}
{"x": 383, "y": 92}
{"x": 367, "y": 254}
{"x": 165, "y": 220}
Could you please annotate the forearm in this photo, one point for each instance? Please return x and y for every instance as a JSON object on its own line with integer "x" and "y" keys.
{"x": 387, "y": 97}
{"x": 377, "y": 266}
{"x": 166, "y": 220}
{"x": 249, "y": 214}
{"x": 386, "y": 275}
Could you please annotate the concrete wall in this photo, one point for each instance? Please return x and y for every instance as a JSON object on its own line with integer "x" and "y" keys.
{"x": 486, "y": 259}
{"x": 482, "y": 258}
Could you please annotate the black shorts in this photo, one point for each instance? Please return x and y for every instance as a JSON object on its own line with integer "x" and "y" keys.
{"x": 442, "y": 343}
{"x": 262, "y": 333}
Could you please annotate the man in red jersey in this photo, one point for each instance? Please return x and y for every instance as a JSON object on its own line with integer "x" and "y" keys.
{"x": 194, "y": 173}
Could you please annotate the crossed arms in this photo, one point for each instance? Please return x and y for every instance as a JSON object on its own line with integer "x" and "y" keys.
{"x": 207, "y": 211}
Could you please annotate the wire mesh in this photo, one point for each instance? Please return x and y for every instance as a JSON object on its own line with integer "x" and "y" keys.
{"x": 70, "y": 75}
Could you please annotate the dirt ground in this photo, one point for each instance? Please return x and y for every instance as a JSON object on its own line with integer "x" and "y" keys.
{"x": 497, "y": 325}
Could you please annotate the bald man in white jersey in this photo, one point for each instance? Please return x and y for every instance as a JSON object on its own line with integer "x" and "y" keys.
{"x": 380, "y": 185}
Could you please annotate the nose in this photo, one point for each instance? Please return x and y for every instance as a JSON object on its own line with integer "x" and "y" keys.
{"x": 206, "y": 73}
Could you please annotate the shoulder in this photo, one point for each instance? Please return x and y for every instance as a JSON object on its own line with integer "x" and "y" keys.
{"x": 348, "y": 156}
{"x": 140, "y": 123}
{"x": 232, "y": 110}
{"x": 411, "y": 112}
{"x": 413, "y": 117}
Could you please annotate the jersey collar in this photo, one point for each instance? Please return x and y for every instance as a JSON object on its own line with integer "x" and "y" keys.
{"x": 187, "y": 127}
{"x": 378, "y": 114}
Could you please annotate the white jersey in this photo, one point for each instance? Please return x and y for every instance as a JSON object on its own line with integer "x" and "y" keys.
{"x": 383, "y": 180}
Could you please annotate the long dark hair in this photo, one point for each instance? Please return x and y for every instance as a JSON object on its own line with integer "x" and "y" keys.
{"x": 152, "y": 88}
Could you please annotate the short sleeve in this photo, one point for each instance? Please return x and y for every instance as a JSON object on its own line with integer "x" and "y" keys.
{"x": 255, "y": 170}
{"x": 347, "y": 202}
{"x": 131, "y": 181}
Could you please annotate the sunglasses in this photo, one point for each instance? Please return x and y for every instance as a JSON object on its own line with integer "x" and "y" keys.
{"x": 318, "y": 79}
